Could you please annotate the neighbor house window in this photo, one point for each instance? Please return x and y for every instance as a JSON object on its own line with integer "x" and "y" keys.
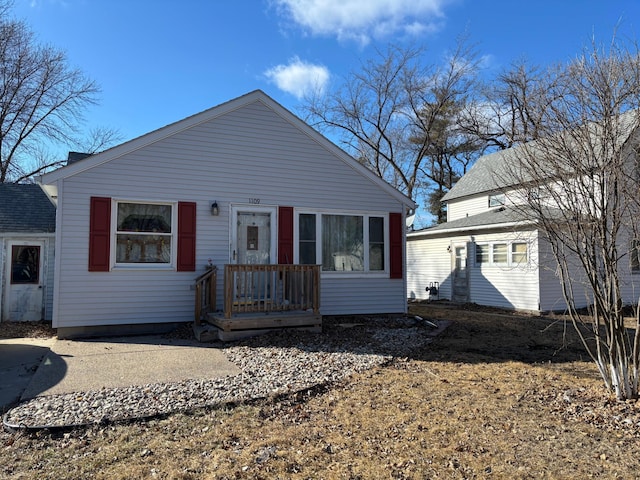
{"x": 497, "y": 200}
{"x": 482, "y": 254}
{"x": 518, "y": 253}
{"x": 499, "y": 253}
{"x": 144, "y": 233}
{"x": 342, "y": 243}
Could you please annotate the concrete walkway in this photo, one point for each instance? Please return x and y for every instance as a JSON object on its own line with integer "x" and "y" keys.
{"x": 19, "y": 360}
{"x": 47, "y": 367}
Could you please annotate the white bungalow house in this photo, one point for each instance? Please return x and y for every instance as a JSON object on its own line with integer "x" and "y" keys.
{"x": 27, "y": 240}
{"x": 487, "y": 252}
{"x": 289, "y": 220}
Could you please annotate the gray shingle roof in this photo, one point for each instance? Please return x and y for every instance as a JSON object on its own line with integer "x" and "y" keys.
{"x": 25, "y": 208}
{"x": 484, "y": 175}
{"x": 492, "y": 172}
{"x": 498, "y": 217}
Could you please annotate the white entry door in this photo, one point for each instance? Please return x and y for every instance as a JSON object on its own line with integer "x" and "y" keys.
{"x": 460, "y": 274}
{"x": 253, "y": 235}
{"x": 24, "y": 282}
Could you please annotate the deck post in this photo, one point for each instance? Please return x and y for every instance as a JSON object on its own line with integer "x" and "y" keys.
{"x": 228, "y": 290}
{"x": 316, "y": 290}
{"x": 213, "y": 284}
{"x": 198, "y": 312}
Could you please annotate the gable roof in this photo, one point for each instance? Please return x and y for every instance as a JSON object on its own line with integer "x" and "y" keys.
{"x": 208, "y": 115}
{"x": 25, "y": 208}
{"x": 491, "y": 172}
{"x": 482, "y": 177}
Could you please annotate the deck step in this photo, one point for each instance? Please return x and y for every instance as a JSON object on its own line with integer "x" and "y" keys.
{"x": 205, "y": 333}
{"x": 252, "y": 324}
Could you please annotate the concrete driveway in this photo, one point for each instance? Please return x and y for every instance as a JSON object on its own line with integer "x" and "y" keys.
{"x": 35, "y": 367}
{"x": 19, "y": 360}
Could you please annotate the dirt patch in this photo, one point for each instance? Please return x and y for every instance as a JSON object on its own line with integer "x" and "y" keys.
{"x": 497, "y": 395}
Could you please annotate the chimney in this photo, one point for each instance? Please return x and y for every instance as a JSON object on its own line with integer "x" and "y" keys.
{"x": 74, "y": 157}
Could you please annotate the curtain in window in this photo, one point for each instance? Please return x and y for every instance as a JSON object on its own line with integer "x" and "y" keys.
{"x": 342, "y": 243}
{"x": 143, "y": 233}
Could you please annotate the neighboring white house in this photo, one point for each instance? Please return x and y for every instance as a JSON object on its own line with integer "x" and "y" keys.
{"x": 485, "y": 253}
{"x": 27, "y": 239}
{"x": 244, "y": 182}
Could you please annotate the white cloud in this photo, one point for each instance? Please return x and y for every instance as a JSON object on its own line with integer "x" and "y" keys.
{"x": 299, "y": 78}
{"x": 361, "y": 20}
{"x": 39, "y": 3}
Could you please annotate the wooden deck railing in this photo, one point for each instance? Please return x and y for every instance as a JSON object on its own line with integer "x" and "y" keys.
{"x": 206, "y": 293}
{"x": 271, "y": 288}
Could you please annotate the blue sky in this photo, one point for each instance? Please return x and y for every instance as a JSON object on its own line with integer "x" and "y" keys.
{"x": 160, "y": 61}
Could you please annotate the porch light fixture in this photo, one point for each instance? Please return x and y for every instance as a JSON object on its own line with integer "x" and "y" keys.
{"x": 215, "y": 211}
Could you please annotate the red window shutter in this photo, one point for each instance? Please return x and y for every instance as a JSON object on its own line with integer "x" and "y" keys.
{"x": 395, "y": 245}
{"x": 186, "y": 237}
{"x": 285, "y": 235}
{"x": 99, "y": 234}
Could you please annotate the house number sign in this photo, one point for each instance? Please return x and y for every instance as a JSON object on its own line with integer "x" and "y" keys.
{"x": 254, "y": 201}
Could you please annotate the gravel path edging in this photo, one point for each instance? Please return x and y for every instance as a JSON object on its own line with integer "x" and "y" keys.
{"x": 279, "y": 363}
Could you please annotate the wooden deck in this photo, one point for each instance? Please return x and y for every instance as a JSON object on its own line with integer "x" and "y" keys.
{"x": 259, "y": 299}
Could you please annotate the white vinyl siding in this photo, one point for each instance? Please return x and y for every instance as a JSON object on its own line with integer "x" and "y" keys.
{"x": 429, "y": 259}
{"x": 482, "y": 202}
{"x": 551, "y": 298}
{"x": 466, "y": 207}
{"x": 248, "y": 155}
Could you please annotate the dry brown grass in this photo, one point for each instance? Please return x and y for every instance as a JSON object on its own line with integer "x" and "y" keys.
{"x": 496, "y": 396}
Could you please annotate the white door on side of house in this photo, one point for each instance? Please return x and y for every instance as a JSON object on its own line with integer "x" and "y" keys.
{"x": 460, "y": 274}
{"x": 24, "y": 281}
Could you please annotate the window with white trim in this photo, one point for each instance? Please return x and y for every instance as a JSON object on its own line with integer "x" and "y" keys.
{"x": 502, "y": 253}
{"x": 499, "y": 253}
{"x": 519, "y": 253}
{"x": 376, "y": 243}
{"x": 342, "y": 242}
{"x": 497, "y": 200}
{"x": 307, "y": 238}
{"x": 144, "y": 233}
{"x": 482, "y": 253}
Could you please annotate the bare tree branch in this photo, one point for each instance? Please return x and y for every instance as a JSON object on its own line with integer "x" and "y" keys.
{"x": 579, "y": 182}
{"x": 391, "y": 113}
{"x": 41, "y": 99}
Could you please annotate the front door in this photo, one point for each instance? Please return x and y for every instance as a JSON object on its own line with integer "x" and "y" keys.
{"x": 253, "y": 242}
{"x": 460, "y": 274}
{"x": 24, "y": 292}
{"x": 253, "y": 235}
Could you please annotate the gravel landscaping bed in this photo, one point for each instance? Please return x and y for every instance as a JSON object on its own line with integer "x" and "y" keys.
{"x": 273, "y": 364}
